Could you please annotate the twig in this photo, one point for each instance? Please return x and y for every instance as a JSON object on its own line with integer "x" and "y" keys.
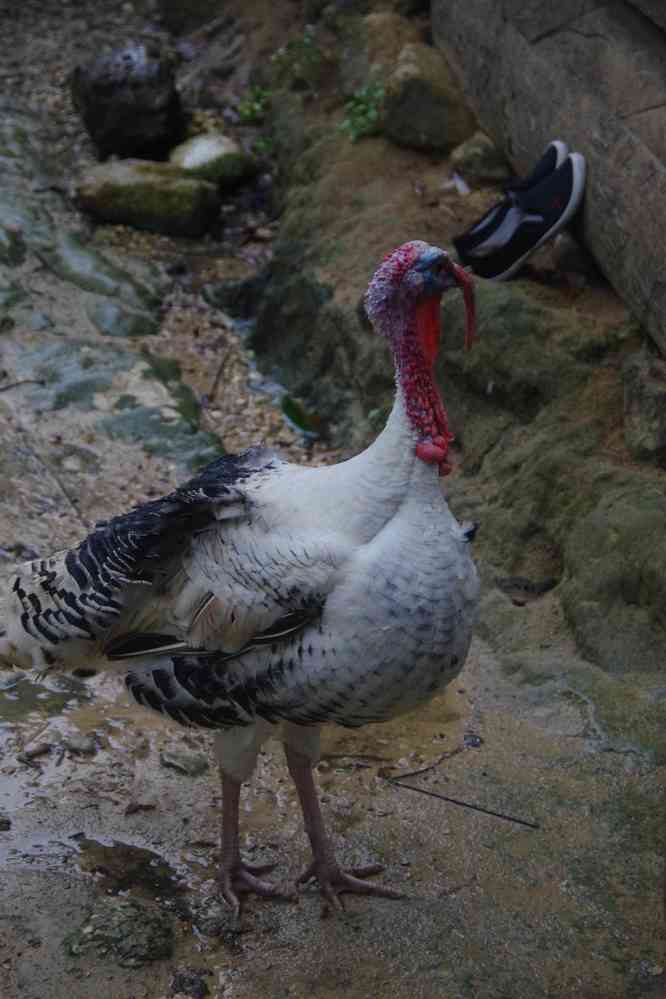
{"x": 431, "y": 766}
{"x": 25, "y": 381}
{"x": 218, "y": 378}
{"x": 464, "y": 804}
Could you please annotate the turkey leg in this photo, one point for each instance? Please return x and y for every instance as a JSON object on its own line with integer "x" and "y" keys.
{"x": 333, "y": 881}
{"x": 236, "y": 877}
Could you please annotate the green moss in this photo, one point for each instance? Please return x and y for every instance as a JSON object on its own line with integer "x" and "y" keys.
{"x": 71, "y": 260}
{"x": 168, "y": 371}
{"x": 300, "y": 64}
{"x": 112, "y": 319}
{"x": 126, "y": 401}
{"x": 254, "y": 105}
{"x": 81, "y": 393}
{"x": 10, "y": 295}
{"x": 12, "y": 247}
{"x": 178, "y": 441}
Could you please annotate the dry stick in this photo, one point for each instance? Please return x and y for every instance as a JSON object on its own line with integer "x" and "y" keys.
{"x": 25, "y": 381}
{"x": 431, "y": 766}
{"x": 464, "y": 804}
{"x": 218, "y": 377}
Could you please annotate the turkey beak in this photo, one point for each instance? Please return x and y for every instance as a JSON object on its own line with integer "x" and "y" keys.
{"x": 441, "y": 274}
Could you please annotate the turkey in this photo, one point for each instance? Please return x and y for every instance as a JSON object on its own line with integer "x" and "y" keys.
{"x": 264, "y": 597}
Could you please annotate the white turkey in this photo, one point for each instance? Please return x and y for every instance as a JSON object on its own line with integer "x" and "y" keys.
{"x": 265, "y": 597}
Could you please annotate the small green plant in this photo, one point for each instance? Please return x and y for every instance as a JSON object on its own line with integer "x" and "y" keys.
{"x": 300, "y": 62}
{"x": 264, "y": 146}
{"x": 364, "y": 112}
{"x": 254, "y": 106}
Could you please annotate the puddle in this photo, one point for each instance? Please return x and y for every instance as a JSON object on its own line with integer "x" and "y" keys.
{"x": 122, "y": 868}
{"x": 22, "y": 695}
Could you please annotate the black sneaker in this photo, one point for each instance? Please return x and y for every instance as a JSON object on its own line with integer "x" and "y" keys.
{"x": 554, "y": 156}
{"x": 525, "y": 219}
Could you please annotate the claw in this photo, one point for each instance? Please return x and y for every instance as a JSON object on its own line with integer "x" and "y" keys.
{"x": 333, "y": 882}
{"x": 241, "y": 879}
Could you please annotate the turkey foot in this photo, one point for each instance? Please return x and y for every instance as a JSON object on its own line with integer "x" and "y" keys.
{"x": 333, "y": 881}
{"x": 236, "y": 877}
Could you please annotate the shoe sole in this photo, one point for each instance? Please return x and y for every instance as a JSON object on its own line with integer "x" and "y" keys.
{"x": 578, "y": 186}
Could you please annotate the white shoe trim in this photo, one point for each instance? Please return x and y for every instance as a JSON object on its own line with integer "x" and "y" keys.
{"x": 578, "y": 186}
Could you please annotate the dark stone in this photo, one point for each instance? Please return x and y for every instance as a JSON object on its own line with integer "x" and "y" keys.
{"x": 129, "y": 102}
{"x": 238, "y": 298}
{"x": 190, "y": 982}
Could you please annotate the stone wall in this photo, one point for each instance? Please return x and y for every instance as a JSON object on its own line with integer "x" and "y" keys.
{"x": 593, "y": 75}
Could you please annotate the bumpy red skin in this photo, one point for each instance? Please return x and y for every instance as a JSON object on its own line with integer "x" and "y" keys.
{"x": 416, "y": 355}
{"x": 399, "y": 306}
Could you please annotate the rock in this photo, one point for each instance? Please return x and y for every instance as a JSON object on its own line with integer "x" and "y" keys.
{"x": 20, "y": 215}
{"x": 371, "y": 47}
{"x": 91, "y": 270}
{"x": 644, "y": 377}
{"x": 190, "y": 764}
{"x": 569, "y": 257}
{"x": 5, "y": 822}
{"x": 423, "y": 106}
{"x": 12, "y": 245}
{"x": 190, "y": 982}
{"x": 214, "y": 157}
{"x": 129, "y": 102}
{"x": 134, "y": 932}
{"x": 239, "y": 298}
{"x": 39, "y": 321}
{"x": 80, "y": 745}
{"x": 112, "y": 319}
{"x": 181, "y": 18}
{"x": 593, "y": 74}
{"x": 479, "y": 159}
{"x": 10, "y": 295}
{"x": 156, "y": 196}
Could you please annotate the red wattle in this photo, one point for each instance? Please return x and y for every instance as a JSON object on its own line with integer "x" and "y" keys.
{"x": 430, "y": 453}
{"x": 428, "y": 328}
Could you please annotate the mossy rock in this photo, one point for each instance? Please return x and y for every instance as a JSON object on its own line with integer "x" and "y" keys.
{"x": 423, "y": 106}
{"x": 86, "y": 267}
{"x": 479, "y": 159}
{"x": 18, "y": 215}
{"x": 129, "y": 930}
{"x": 112, "y": 319}
{"x": 155, "y": 196}
{"x": 179, "y": 440}
{"x": 12, "y": 246}
{"x": 216, "y": 158}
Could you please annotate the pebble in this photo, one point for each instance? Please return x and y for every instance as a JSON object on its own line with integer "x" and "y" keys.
{"x": 80, "y": 745}
{"x": 32, "y": 751}
{"x": 190, "y": 764}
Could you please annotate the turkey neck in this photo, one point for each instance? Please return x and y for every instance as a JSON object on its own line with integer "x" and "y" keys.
{"x": 368, "y": 490}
